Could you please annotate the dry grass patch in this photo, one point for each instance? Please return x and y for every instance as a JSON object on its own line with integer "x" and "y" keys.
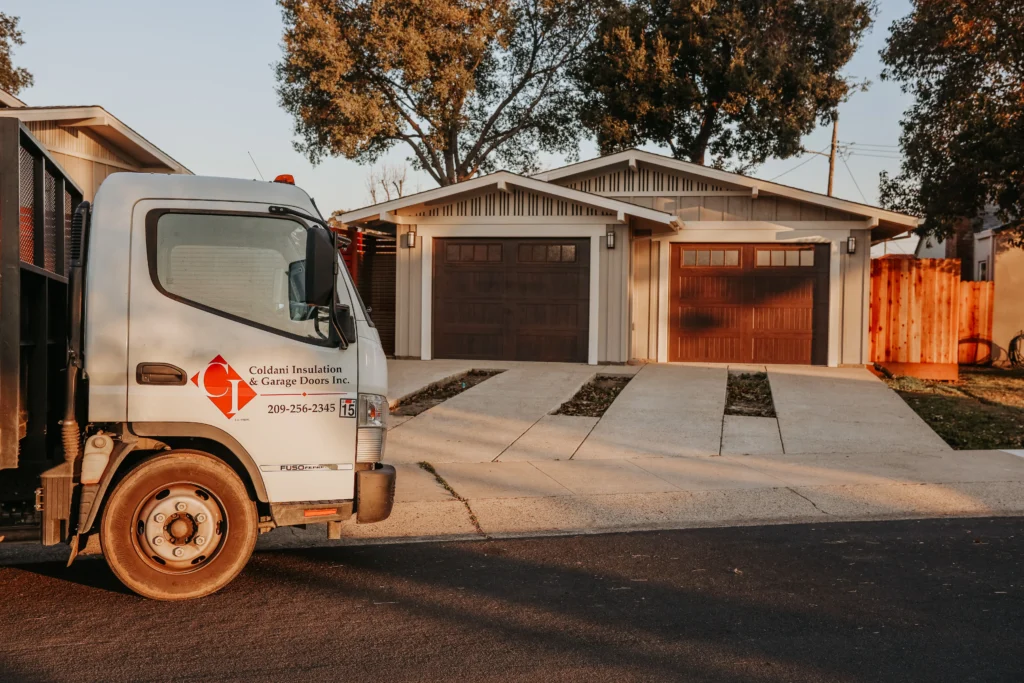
{"x": 428, "y": 397}
{"x": 749, "y": 394}
{"x": 594, "y": 397}
{"x": 983, "y": 410}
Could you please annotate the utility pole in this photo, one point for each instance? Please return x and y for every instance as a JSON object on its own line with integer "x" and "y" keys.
{"x": 832, "y": 156}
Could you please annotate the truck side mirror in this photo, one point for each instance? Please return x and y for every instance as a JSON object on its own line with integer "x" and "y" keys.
{"x": 320, "y": 259}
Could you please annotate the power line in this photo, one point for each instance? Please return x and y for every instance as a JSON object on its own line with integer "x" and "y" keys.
{"x": 854, "y": 179}
{"x": 805, "y": 161}
{"x": 868, "y": 144}
{"x": 874, "y": 156}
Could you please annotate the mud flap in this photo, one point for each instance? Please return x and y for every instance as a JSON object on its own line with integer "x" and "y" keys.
{"x": 375, "y": 494}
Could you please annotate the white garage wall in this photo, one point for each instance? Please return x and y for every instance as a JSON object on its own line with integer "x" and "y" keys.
{"x": 614, "y": 324}
{"x": 644, "y": 298}
{"x": 408, "y": 295}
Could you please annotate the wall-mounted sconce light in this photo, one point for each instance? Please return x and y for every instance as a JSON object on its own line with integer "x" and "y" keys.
{"x": 409, "y": 239}
{"x": 851, "y": 245}
{"x": 609, "y": 239}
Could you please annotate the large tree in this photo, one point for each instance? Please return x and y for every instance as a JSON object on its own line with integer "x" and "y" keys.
{"x": 12, "y": 79}
{"x": 738, "y": 81}
{"x": 465, "y": 85}
{"x": 963, "y": 137}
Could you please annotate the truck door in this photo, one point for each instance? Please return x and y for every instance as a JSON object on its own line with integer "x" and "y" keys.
{"x": 221, "y": 341}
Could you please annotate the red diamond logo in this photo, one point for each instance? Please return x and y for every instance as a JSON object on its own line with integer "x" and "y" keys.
{"x": 224, "y": 387}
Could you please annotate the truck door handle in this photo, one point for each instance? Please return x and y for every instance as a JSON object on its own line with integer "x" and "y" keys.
{"x": 160, "y": 373}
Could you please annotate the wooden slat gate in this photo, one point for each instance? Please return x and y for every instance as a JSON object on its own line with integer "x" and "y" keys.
{"x": 976, "y": 307}
{"x": 924, "y": 320}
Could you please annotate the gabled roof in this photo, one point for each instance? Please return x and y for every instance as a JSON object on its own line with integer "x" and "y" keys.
{"x": 632, "y": 157}
{"x": 503, "y": 181}
{"x": 9, "y": 100}
{"x": 107, "y": 126}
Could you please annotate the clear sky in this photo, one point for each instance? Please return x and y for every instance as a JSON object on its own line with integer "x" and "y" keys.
{"x": 196, "y": 79}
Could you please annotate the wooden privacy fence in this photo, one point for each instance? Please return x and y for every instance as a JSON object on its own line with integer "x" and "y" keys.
{"x": 924, "y": 320}
{"x": 975, "y": 343}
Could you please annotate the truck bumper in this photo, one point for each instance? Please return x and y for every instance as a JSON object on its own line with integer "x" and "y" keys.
{"x": 375, "y": 494}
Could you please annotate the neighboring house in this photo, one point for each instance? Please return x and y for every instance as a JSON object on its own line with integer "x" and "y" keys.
{"x": 988, "y": 255}
{"x": 89, "y": 142}
{"x": 632, "y": 256}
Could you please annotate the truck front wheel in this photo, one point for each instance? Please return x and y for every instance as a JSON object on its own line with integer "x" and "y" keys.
{"x": 180, "y": 525}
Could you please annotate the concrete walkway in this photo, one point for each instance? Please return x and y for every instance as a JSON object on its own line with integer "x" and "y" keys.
{"x": 844, "y": 446}
{"x": 665, "y": 411}
{"x": 669, "y": 410}
{"x": 845, "y": 410}
{"x": 482, "y": 422}
{"x": 507, "y": 499}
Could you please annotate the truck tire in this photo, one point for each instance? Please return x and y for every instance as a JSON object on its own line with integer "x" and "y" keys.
{"x": 180, "y": 525}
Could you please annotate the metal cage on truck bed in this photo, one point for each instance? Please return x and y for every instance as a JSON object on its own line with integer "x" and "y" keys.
{"x": 37, "y": 201}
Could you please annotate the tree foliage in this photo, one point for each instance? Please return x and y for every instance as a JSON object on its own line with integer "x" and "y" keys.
{"x": 465, "y": 85}
{"x": 963, "y": 138}
{"x": 741, "y": 80}
{"x": 12, "y": 79}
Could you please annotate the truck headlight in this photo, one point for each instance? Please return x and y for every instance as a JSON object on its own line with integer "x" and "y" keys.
{"x": 373, "y": 410}
{"x": 372, "y": 427}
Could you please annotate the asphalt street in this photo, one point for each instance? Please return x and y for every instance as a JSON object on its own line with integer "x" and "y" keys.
{"x": 936, "y": 600}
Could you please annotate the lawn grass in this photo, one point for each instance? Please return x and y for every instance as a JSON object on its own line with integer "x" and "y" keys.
{"x": 984, "y": 410}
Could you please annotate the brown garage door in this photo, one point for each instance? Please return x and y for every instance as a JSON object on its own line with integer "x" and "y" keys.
{"x": 749, "y": 303}
{"x": 508, "y": 299}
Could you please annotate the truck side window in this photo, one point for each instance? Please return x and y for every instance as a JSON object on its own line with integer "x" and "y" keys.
{"x": 248, "y": 267}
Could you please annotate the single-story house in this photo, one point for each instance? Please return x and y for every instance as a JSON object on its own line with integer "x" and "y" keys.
{"x": 988, "y": 255}
{"x": 632, "y": 256}
{"x": 89, "y": 142}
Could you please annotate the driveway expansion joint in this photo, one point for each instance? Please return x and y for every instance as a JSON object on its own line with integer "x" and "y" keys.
{"x": 455, "y": 494}
{"x": 813, "y": 504}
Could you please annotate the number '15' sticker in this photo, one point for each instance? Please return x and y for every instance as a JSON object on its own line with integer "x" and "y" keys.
{"x": 348, "y": 408}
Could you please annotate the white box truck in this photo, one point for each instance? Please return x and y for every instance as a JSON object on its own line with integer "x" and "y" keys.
{"x": 183, "y": 365}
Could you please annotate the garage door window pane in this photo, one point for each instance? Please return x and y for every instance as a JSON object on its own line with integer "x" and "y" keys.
{"x": 451, "y": 253}
{"x": 554, "y": 253}
{"x": 778, "y": 257}
{"x": 807, "y": 257}
{"x": 689, "y": 257}
{"x": 792, "y": 258}
{"x": 494, "y": 252}
{"x": 764, "y": 257}
{"x": 717, "y": 257}
{"x": 568, "y": 253}
{"x": 732, "y": 257}
{"x": 703, "y": 258}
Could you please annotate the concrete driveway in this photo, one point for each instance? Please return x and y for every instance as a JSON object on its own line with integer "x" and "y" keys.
{"x": 665, "y": 411}
{"x": 664, "y": 455}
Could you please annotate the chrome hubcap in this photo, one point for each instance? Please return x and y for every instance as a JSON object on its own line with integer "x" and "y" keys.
{"x": 179, "y": 527}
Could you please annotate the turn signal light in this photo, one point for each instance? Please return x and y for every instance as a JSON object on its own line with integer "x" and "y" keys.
{"x": 286, "y": 178}
{"x": 322, "y": 512}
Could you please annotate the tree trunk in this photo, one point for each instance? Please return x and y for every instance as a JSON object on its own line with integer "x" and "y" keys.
{"x": 699, "y": 148}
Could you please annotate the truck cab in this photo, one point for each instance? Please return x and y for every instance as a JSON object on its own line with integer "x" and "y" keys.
{"x": 224, "y": 378}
